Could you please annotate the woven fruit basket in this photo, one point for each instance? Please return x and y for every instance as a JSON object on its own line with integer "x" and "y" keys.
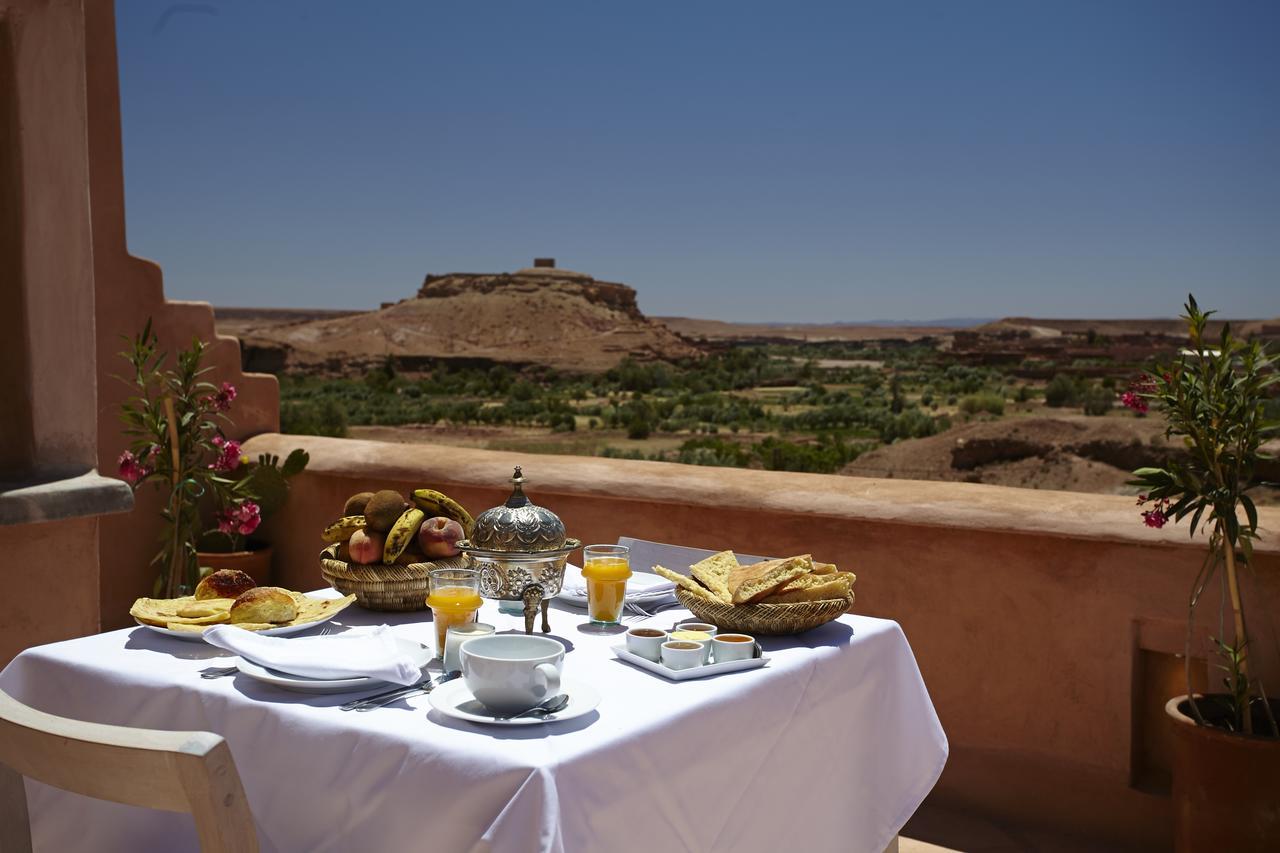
{"x": 764, "y": 619}
{"x": 382, "y": 587}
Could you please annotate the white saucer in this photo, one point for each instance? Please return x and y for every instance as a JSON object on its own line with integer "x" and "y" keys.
{"x": 421, "y": 656}
{"x": 573, "y": 589}
{"x": 453, "y": 699}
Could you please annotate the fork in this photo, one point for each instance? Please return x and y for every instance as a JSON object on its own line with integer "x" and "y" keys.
{"x": 377, "y": 700}
{"x": 218, "y": 671}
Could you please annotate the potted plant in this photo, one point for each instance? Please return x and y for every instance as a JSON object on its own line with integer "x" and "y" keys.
{"x": 1226, "y": 758}
{"x": 175, "y": 421}
{"x": 247, "y": 493}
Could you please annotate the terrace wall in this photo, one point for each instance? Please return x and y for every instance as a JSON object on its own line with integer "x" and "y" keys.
{"x": 1044, "y": 623}
{"x": 129, "y": 291}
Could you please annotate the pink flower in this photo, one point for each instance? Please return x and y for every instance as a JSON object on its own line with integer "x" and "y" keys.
{"x": 221, "y": 401}
{"x": 1158, "y": 515}
{"x": 1133, "y": 401}
{"x": 228, "y": 454}
{"x": 131, "y": 468}
{"x": 243, "y": 518}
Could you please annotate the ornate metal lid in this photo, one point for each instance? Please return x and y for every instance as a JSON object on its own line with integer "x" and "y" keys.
{"x": 518, "y": 525}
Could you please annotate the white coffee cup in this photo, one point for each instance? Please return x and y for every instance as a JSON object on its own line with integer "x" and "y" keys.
{"x": 682, "y": 654}
{"x": 646, "y": 642}
{"x": 727, "y": 647}
{"x": 510, "y": 673}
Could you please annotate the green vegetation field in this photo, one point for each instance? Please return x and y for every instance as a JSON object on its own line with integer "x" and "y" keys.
{"x": 812, "y": 407}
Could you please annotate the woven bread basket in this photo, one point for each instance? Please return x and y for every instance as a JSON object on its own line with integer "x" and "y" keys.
{"x": 764, "y": 619}
{"x": 379, "y": 586}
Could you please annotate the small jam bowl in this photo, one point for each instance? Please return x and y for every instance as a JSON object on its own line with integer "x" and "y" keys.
{"x": 646, "y": 642}
{"x": 686, "y": 634}
{"x": 727, "y": 647}
{"x": 682, "y": 654}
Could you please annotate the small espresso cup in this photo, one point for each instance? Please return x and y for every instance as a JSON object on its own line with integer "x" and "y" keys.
{"x": 510, "y": 673}
{"x": 705, "y": 627}
{"x": 646, "y": 642}
{"x": 682, "y": 654}
{"x": 727, "y": 647}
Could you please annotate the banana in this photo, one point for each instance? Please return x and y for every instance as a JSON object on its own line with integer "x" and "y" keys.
{"x": 435, "y": 503}
{"x": 402, "y": 533}
{"x": 341, "y": 530}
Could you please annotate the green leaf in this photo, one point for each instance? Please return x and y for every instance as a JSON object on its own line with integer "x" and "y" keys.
{"x": 295, "y": 462}
{"x": 1250, "y": 511}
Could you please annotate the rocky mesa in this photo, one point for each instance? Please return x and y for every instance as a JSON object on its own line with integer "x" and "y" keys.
{"x": 542, "y": 315}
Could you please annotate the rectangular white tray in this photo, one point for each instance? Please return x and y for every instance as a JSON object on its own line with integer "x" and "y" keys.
{"x": 620, "y": 651}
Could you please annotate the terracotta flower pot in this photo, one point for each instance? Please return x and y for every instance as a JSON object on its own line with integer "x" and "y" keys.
{"x": 256, "y": 564}
{"x": 1226, "y": 787}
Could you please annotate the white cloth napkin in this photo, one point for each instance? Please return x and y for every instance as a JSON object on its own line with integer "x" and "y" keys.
{"x": 639, "y": 585}
{"x": 372, "y": 653}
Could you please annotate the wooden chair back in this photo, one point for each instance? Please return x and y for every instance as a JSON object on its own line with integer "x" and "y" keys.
{"x": 175, "y": 771}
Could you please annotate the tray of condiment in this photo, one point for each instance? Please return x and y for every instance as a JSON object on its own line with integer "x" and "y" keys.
{"x": 690, "y": 650}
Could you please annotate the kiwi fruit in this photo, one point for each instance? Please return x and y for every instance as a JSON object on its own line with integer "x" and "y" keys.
{"x": 356, "y": 504}
{"x": 384, "y": 509}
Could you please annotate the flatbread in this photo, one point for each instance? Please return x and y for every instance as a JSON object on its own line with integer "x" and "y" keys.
{"x": 758, "y": 580}
{"x": 714, "y": 573}
{"x": 831, "y": 586}
{"x": 166, "y": 612}
{"x": 684, "y": 582}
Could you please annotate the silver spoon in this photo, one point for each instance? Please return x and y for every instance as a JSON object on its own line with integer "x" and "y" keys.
{"x": 552, "y": 705}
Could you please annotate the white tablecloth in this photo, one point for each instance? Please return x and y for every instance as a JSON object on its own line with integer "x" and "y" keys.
{"x": 830, "y": 747}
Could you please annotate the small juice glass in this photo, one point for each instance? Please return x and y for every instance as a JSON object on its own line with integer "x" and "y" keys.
{"x": 454, "y": 599}
{"x": 606, "y": 569}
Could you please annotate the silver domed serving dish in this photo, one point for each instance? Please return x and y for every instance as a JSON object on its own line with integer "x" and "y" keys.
{"x": 520, "y": 549}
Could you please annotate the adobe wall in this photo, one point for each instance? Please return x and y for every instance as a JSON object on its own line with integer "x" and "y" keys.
{"x": 50, "y": 573}
{"x": 48, "y": 436}
{"x": 129, "y": 290}
{"x": 1026, "y": 610}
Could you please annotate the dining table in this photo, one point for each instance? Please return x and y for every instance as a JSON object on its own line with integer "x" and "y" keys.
{"x": 830, "y": 746}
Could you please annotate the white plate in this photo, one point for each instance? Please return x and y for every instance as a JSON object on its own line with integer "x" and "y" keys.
{"x": 573, "y": 590}
{"x": 692, "y": 672}
{"x": 282, "y": 631}
{"x": 421, "y": 656}
{"x": 453, "y": 699}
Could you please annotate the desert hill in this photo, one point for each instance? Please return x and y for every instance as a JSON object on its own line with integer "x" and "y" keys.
{"x": 720, "y": 331}
{"x": 542, "y": 315}
{"x": 1072, "y": 453}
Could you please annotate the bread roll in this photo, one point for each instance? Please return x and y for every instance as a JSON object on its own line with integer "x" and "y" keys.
{"x": 264, "y": 604}
{"x": 224, "y": 583}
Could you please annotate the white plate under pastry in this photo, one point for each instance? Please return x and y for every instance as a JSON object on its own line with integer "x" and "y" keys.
{"x": 421, "y": 655}
{"x": 640, "y": 587}
{"x": 282, "y": 631}
{"x": 453, "y": 699}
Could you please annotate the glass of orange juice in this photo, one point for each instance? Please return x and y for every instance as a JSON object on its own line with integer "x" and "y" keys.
{"x": 454, "y": 599}
{"x": 606, "y": 569}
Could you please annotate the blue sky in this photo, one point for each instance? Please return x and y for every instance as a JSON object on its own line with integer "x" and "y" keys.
{"x": 799, "y": 161}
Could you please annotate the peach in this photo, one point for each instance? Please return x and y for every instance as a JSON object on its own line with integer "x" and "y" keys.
{"x": 366, "y": 547}
{"x": 438, "y": 537}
